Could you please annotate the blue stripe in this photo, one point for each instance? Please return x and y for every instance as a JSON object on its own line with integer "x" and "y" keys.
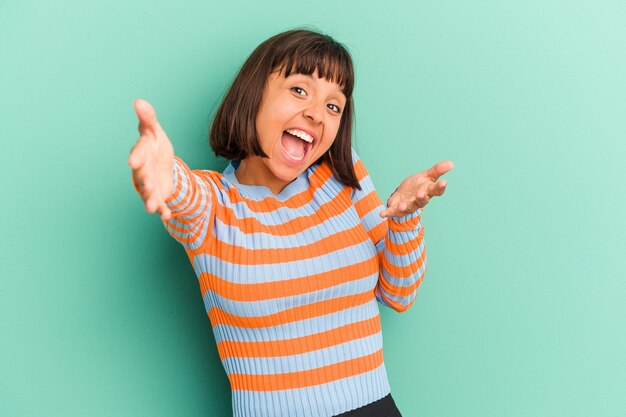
{"x": 276, "y": 305}
{"x": 400, "y": 300}
{"x": 306, "y": 361}
{"x": 401, "y": 260}
{"x": 402, "y": 281}
{"x": 324, "y": 400}
{"x": 280, "y": 215}
{"x": 297, "y": 329}
{"x": 189, "y": 231}
{"x": 372, "y": 219}
{"x": 232, "y": 233}
{"x": 289, "y": 270}
{"x": 402, "y": 237}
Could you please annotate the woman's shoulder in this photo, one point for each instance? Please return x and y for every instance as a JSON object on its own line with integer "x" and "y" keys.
{"x": 207, "y": 176}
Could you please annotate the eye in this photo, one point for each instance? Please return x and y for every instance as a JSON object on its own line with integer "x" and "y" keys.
{"x": 334, "y": 108}
{"x": 299, "y": 91}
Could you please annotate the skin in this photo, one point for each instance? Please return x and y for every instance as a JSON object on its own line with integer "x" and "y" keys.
{"x": 417, "y": 190}
{"x": 301, "y": 101}
{"x": 151, "y": 161}
{"x": 307, "y": 102}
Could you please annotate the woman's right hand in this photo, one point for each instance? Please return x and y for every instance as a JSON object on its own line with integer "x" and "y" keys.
{"x": 152, "y": 161}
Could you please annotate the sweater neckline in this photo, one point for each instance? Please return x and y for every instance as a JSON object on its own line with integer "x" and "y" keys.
{"x": 259, "y": 192}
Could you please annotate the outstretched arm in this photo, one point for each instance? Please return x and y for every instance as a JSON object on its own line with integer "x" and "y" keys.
{"x": 152, "y": 161}
{"x": 165, "y": 183}
{"x": 399, "y": 239}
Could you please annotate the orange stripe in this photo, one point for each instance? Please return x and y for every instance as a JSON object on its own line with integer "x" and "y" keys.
{"x": 407, "y": 225}
{"x": 364, "y": 206}
{"x": 244, "y": 256}
{"x": 287, "y": 288}
{"x": 320, "y": 308}
{"x": 360, "y": 170}
{"x": 401, "y": 291}
{"x": 397, "y": 306}
{"x": 367, "y": 203}
{"x": 404, "y": 271}
{"x": 183, "y": 174}
{"x": 250, "y": 225}
{"x": 406, "y": 247}
{"x": 307, "y": 378}
{"x": 192, "y": 194}
{"x": 184, "y": 170}
{"x": 320, "y": 175}
{"x": 186, "y": 222}
{"x": 379, "y": 231}
{"x": 176, "y": 192}
{"x": 300, "y": 345}
{"x": 197, "y": 227}
{"x": 196, "y": 232}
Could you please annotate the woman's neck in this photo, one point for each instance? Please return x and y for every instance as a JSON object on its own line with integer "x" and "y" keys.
{"x": 252, "y": 171}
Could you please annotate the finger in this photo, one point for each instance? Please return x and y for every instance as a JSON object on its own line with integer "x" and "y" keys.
{"x": 439, "y": 169}
{"x": 147, "y": 116}
{"x": 386, "y": 212}
{"x": 440, "y": 188}
{"x": 137, "y": 157}
{"x": 396, "y": 210}
{"x": 437, "y": 189}
{"x": 165, "y": 212}
{"x": 139, "y": 153}
{"x": 147, "y": 189}
{"x": 389, "y": 213}
{"x": 140, "y": 175}
{"x": 390, "y": 202}
{"x": 394, "y": 213}
{"x": 432, "y": 189}
{"x": 152, "y": 204}
{"x": 392, "y": 207}
{"x": 147, "y": 185}
{"x": 138, "y": 182}
{"x": 421, "y": 203}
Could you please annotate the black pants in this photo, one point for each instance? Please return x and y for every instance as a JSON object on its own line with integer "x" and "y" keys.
{"x": 385, "y": 407}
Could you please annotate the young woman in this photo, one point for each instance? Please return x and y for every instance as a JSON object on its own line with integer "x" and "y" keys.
{"x": 291, "y": 244}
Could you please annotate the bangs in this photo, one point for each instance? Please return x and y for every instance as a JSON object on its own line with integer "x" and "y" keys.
{"x": 329, "y": 59}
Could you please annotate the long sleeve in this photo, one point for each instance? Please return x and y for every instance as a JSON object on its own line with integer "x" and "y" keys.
{"x": 399, "y": 242}
{"x": 191, "y": 206}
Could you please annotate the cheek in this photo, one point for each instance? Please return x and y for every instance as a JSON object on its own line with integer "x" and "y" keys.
{"x": 329, "y": 139}
{"x": 272, "y": 119}
{"x": 332, "y": 131}
{"x": 265, "y": 128}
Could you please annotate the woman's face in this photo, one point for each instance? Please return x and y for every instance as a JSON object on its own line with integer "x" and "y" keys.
{"x": 297, "y": 122}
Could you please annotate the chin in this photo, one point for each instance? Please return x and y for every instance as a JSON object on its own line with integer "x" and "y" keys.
{"x": 291, "y": 175}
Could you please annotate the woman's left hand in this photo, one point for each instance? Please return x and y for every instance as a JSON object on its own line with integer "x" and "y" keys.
{"x": 417, "y": 190}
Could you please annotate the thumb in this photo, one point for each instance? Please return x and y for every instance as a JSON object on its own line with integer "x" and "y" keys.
{"x": 147, "y": 116}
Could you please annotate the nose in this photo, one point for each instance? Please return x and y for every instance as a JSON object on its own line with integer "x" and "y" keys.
{"x": 314, "y": 112}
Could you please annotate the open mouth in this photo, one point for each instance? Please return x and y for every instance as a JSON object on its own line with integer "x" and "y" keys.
{"x": 296, "y": 143}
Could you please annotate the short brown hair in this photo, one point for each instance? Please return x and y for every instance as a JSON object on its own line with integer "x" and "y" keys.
{"x": 233, "y": 132}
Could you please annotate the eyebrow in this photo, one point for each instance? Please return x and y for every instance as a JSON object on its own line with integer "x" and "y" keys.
{"x": 339, "y": 90}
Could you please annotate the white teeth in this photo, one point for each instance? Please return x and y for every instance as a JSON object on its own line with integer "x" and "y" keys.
{"x": 302, "y": 135}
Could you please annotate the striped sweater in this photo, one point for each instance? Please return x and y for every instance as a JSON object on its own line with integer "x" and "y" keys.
{"x": 291, "y": 281}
